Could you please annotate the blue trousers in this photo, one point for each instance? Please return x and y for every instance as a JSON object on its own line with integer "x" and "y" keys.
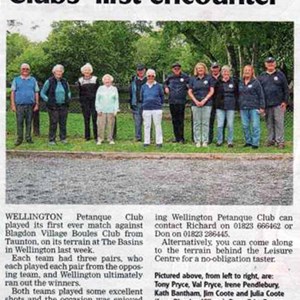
{"x": 138, "y": 121}
{"x": 221, "y": 115}
{"x": 251, "y": 126}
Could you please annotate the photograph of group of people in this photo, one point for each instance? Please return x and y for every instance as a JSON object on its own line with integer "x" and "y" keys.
{"x": 212, "y": 92}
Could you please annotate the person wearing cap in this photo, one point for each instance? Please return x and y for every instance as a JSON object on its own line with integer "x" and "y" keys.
{"x": 201, "y": 89}
{"x": 88, "y": 85}
{"x": 24, "y": 100}
{"x": 215, "y": 72}
{"x": 107, "y": 107}
{"x": 152, "y": 98}
{"x": 226, "y": 94}
{"x": 57, "y": 95}
{"x": 176, "y": 86}
{"x": 276, "y": 91}
{"x": 135, "y": 99}
{"x": 252, "y": 105}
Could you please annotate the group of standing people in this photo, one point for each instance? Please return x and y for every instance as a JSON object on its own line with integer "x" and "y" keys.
{"x": 213, "y": 94}
{"x": 99, "y": 103}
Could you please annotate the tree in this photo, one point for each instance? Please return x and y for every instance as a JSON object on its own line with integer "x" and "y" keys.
{"x": 16, "y": 45}
{"x": 37, "y": 59}
{"x": 115, "y": 47}
{"x": 107, "y": 45}
{"x": 237, "y": 43}
{"x": 157, "y": 51}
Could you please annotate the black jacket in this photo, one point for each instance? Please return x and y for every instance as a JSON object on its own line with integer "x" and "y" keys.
{"x": 178, "y": 86}
{"x": 275, "y": 87}
{"x": 87, "y": 89}
{"x": 52, "y": 89}
{"x": 251, "y": 95}
{"x": 226, "y": 94}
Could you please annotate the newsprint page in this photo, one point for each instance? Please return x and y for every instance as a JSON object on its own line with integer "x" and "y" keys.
{"x": 149, "y": 149}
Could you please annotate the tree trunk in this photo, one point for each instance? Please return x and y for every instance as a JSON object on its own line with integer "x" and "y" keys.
{"x": 233, "y": 59}
{"x": 241, "y": 61}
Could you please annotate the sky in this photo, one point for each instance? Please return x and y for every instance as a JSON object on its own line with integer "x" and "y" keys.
{"x": 36, "y": 31}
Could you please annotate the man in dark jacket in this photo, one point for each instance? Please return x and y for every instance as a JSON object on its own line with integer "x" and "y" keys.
{"x": 176, "y": 86}
{"x": 215, "y": 72}
{"x": 276, "y": 94}
{"x": 135, "y": 99}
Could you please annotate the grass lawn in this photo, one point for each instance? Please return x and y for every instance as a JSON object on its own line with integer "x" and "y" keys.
{"x": 125, "y": 137}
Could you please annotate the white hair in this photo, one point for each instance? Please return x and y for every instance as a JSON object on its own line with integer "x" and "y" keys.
{"x": 87, "y": 66}
{"x": 25, "y": 65}
{"x": 150, "y": 72}
{"x": 108, "y": 76}
{"x": 226, "y": 68}
{"x": 58, "y": 66}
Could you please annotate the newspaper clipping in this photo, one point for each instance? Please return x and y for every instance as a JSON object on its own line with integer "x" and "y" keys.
{"x": 149, "y": 149}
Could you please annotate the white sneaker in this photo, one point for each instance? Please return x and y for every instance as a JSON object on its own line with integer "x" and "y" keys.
{"x": 99, "y": 142}
{"x": 111, "y": 142}
{"x": 204, "y": 144}
{"x": 198, "y": 144}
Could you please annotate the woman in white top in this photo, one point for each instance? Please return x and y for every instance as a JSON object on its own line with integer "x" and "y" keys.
{"x": 107, "y": 106}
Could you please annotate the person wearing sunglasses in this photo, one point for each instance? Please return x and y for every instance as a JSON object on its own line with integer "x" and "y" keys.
{"x": 152, "y": 97}
{"x": 176, "y": 86}
{"x": 24, "y": 100}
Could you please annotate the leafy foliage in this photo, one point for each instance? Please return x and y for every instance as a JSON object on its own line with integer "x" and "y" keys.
{"x": 116, "y": 47}
{"x": 238, "y": 43}
{"x": 108, "y": 46}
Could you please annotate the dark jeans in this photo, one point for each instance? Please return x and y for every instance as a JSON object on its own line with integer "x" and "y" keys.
{"x": 177, "y": 113}
{"x": 36, "y": 122}
{"x": 89, "y": 112}
{"x": 24, "y": 115}
{"x": 211, "y": 126}
{"x": 138, "y": 121}
{"x": 115, "y": 129}
{"x": 57, "y": 115}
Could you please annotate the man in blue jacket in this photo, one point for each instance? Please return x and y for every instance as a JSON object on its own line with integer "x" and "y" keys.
{"x": 135, "y": 99}
{"x": 276, "y": 94}
{"x": 176, "y": 86}
{"x": 24, "y": 100}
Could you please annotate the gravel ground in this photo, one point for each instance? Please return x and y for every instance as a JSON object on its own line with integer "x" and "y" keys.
{"x": 40, "y": 180}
